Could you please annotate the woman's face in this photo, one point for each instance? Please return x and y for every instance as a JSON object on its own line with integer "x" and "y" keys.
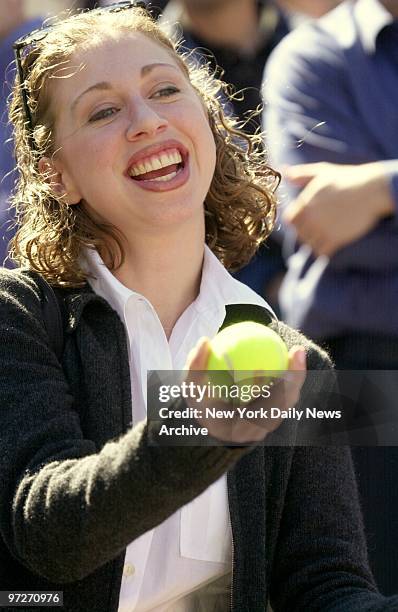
{"x": 132, "y": 138}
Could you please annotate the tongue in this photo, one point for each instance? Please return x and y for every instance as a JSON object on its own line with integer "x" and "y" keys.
{"x": 156, "y": 173}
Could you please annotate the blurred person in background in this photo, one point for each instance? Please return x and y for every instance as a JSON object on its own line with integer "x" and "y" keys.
{"x": 240, "y": 35}
{"x": 14, "y": 23}
{"x": 307, "y": 8}
{"x": 155, "y": 7}
{"x": 331, "y": 90}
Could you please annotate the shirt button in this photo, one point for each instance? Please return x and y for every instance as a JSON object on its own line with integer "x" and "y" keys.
{"x": 128, "y": 570}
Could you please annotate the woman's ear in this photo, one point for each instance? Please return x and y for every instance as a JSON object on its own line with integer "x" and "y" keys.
{"x": 61, "y": 184}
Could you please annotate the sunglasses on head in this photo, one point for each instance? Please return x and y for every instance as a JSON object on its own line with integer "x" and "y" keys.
{"x": 38, "y": 35}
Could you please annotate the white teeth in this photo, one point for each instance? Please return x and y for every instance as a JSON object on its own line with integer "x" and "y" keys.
{"x": 156, "y": 162}
{"x": 177, "y": 158}
{"x": 164, "y": 160}
{"x": 168, "y": 177}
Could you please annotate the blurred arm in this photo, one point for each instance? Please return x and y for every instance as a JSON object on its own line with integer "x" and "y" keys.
{"x": 309, "y": 118}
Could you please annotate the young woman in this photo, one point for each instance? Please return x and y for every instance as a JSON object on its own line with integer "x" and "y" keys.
{"x": 135, "y": 195}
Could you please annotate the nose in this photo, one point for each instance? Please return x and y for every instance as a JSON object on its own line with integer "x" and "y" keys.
{"x": 144, "y": 121}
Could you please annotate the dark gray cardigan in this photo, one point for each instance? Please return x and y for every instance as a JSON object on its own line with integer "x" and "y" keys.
{"x": 78, "y": 484}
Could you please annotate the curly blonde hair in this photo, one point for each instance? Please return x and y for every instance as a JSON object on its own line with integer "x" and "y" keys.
{"x": 240, "y": 206}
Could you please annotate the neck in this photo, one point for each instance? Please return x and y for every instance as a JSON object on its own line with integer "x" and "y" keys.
{"x": 231, "y": 24}
{"x": 166, "y": 270}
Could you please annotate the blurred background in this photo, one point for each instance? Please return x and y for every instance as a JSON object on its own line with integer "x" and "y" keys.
{"x": 47, "y": 7}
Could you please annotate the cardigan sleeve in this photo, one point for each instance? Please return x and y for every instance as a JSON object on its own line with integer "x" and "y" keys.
{"x": 67, "y": 508}
{"x": 320, "y": 560}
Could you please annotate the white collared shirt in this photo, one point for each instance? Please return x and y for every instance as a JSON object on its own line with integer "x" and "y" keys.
{"x": 165, "y": 566}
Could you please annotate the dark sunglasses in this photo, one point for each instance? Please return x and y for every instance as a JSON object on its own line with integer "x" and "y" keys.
{"x": 38, "y": 35}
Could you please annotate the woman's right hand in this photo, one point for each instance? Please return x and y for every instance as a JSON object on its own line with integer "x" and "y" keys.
{"x": 285, "y": 393}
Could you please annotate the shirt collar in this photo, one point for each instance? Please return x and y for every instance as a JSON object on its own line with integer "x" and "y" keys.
{"x": 371, "y": 17}
{"x": 105, "y": 284}
{"x": 217, "y": 289}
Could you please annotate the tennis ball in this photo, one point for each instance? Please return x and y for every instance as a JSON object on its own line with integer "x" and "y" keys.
{"x": 245, "y": 351}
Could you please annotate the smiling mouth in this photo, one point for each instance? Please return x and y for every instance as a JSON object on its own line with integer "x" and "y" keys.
{"x": 158, "y": 168}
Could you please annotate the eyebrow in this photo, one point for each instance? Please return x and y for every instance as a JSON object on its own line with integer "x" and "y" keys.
{"x": 106, "y": 86}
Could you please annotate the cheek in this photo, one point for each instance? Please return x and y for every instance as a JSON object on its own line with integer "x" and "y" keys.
{"x": 204, "y": 139}
{"x": 192, "y": 119}
{"x": 209, "y": 145}
{"x": 86, "y": 158}
{"x": 206, "y": 154}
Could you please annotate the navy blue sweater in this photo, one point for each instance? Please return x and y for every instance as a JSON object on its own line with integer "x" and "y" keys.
{"x": 331, "y": 89}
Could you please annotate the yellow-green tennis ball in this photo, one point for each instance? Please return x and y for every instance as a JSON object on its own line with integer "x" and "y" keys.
{"x": 247, "y": 350}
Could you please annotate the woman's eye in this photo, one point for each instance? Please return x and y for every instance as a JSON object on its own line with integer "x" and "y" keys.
{"x": 166, "y": 92}
{"x": 103, "y": 114}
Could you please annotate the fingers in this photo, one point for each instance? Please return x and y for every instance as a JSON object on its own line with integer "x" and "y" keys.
{"x": 301, "y": 174}
{"x": 197, "y": 361}
{"x": 297, "y": 212}
{"x": 198, "y": 357}
{"x": 297, "y": 359}
{"x": 311, "y": 227}
{"x": 285, "y": 394}
{"x": 295, "y": 377}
